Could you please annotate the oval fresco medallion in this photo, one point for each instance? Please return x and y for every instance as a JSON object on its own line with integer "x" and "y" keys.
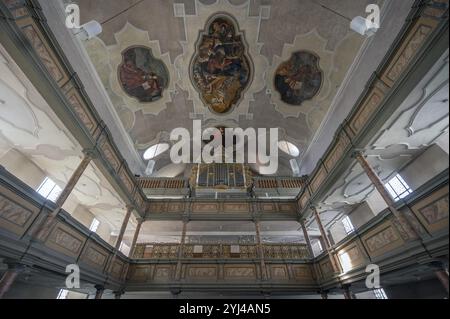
{"x": 141, "y": 75}
{"x": 221, "y": 69}
{"x": 299, "y": 79}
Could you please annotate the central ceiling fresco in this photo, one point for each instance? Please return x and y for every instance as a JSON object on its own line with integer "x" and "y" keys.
{"x": 221, "y": 69}
{"x": 229, "y": 63}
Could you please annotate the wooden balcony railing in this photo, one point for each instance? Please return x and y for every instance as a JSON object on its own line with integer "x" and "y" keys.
{"x": 162, "y": 183}
{"x": 221, "y": 251}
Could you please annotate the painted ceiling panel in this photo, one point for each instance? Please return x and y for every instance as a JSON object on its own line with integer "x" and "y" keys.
{"x": 263, "y": 64}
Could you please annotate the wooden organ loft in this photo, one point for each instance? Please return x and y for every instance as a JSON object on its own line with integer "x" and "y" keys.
{"x": 220, "y": 180}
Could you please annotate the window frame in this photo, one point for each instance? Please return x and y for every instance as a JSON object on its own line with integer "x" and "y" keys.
{"x": 94, "y": 225}
{"x": 380, "y": 294}
{"x": 348, "y": 225}
{"x": 62, "y": 294}
{"x": 53, "y": 194}
{"x": 396, "y": 193}
{"x": 319, "y": 245}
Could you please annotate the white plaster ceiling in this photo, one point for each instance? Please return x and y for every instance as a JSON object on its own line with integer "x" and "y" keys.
{"x": 273, "y": 31}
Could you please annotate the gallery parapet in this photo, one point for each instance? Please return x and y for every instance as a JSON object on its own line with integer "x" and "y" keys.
{"x": 262, "y": 187}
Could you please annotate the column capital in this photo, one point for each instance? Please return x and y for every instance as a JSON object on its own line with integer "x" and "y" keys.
{"x": 140, "y": 220}
{"x": 185, "y": 219}
{"x": 90, "y": 153}
{"x": 358, "y": 153}
{"x": 314, "y": 208}
{"x": 99, "y": 287}
{"x": 323, "y": 294}
{"x": 130, "y": 208}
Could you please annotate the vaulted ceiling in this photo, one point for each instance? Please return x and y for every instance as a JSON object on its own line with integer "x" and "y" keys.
{"x": 267, "y": 86}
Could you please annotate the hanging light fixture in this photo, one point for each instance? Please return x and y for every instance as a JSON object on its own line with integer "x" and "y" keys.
{"x": 90, "y": 30}
{"x": 94, "y": 28}
{"x": 358, "y": 24}
{"x": 364, "y": 26}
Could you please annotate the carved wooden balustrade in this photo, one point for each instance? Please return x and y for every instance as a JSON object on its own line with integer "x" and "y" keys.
{"x": 279, "y": 182}
{"x": 162, "y": 183}
{"x": 222, "y": 251}
{"x": 287, "y": 267}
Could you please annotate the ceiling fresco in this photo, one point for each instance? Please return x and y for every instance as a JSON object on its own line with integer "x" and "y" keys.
{"x": 299, "y": 79}
{"x": 221, "y": 69}
{"x": 141, "y": 75}
{"x": 233, "y": 63}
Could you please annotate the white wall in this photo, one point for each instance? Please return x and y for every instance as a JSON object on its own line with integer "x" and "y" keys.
{"x": 338, "y": 231}
{"x": 104, "y": 231}
{"x": 443, "y": 142}
{"x": 20, "y": 290}
{"x": 83, "y": 215}
{"x": 315, "y": 247}
{"x": 376, "y": 203}
{"x": 429, "y": 164}
{"x": 76, "y": 295}
{"x": 23, "y": 168}
{"x": 361, "y": 215}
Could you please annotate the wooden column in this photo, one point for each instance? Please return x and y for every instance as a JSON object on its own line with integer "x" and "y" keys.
{"x": 136, "y": 236}
{"x": 120, "y": 237}
{"x": 347, "y": 292}
{"x": 42, "y": 230}
{"x": 326, "y": 240}
{"x": 181, "y": 249}
{"x": 321, "y": 228}
{"x": 140, "y": 221}
{"x": 9, "y": 277}
{"x": 118, "y": 294}
{"x": 124, "y": 226}
{"x": 99, "y": 291}
{"x": 379, "y": 185}
{"x": 441, "y": 273}
{"x": 308, "y": 241}
{"x": 260, "y": 250}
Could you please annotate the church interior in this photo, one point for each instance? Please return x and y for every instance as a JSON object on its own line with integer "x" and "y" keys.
{"x": 99, "y": 199}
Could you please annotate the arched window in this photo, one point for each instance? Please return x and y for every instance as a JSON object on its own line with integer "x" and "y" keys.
{"x": 289, "y": 148}
{"x": 155, "y": 151}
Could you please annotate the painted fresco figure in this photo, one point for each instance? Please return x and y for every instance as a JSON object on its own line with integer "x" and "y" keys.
{"x": 220, "y": 69}
{"x": 144, "y": 85}
{"x": 299, "y": 79}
